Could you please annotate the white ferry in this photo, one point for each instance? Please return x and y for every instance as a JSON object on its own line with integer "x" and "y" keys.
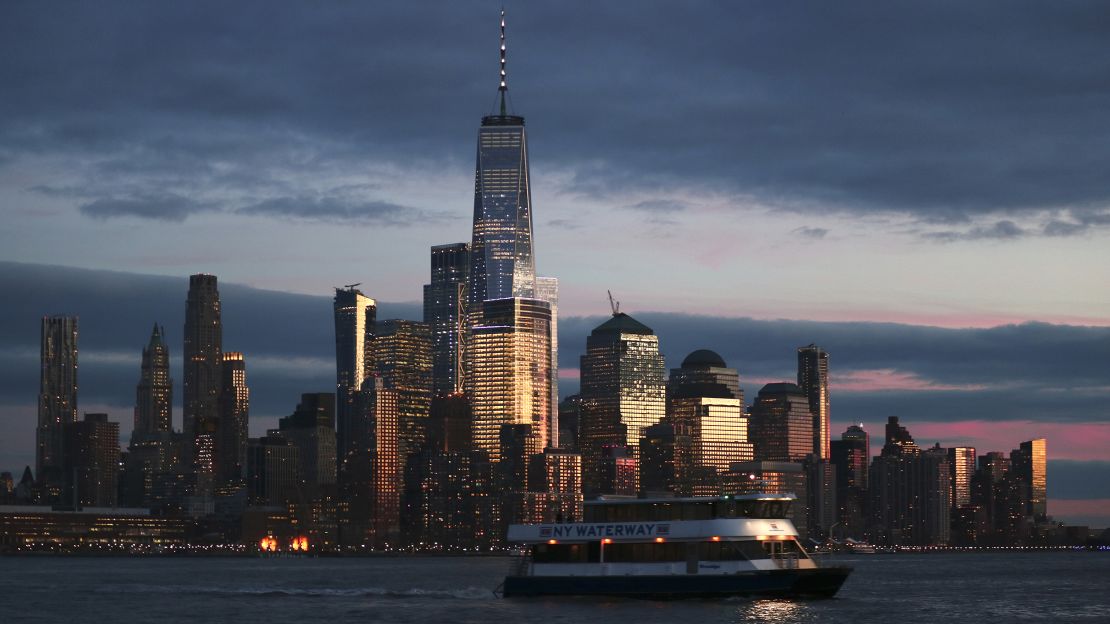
{"x": 665, "y": 548}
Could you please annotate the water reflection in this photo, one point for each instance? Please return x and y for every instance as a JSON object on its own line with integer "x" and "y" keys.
{"x": 776, "y": 611}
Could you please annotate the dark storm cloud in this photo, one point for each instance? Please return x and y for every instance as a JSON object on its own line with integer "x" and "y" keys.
{"x": 943, "y": 111}
{"x": 334, "y": 209}
{"x": 160, "y": 207}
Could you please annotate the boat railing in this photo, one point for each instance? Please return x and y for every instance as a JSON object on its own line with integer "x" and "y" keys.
{"x": 786, "y": 561}
{"x": 521, "y": 564}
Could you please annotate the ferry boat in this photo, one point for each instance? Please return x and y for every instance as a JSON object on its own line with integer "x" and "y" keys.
{"x": 667, "y": 548}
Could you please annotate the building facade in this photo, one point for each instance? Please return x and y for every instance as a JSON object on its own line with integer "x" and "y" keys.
{"x": 781, "y": 424}
{"x": 813, "y": 379}
{"x": 445, "y": 315}
{"x": 57, "y": 401}
{"x": 355, "y": 314}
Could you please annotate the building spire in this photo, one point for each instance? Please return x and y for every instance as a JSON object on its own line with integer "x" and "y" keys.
{"x": 502, "y": 88}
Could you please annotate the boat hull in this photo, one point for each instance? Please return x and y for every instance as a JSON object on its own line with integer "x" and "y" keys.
{"x": 804, "y": 583}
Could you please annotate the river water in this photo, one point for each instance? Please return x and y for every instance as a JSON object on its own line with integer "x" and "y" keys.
{"x": 884, "y": 589}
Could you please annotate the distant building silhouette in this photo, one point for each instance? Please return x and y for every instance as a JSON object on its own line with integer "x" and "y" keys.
{"x": 813, "y": 379}
{"x": 92, "y": 461}
{"x": 57, "y": 405}
{"x": 781, "y": 425}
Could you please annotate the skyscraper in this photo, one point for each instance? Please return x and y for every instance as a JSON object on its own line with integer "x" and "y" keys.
{"x": 509, "y": 380}
{"x": 234, "y": 417}
{"x": 781, "y": 424}
{"x": 154, "y": 394}
{"x": 851, "y": 458}
{"x": 1032, "y": 470}
{"x": 547, "y": 289}
{"x": 311, "y": 428}
{"x": 715, "y": 422}
{"x": 961, "y": 462}
{"x": 354, "y": 325}
{"x": 706, "y": 367}
{"x": 57, "y": 397}
{"x": 910, "y": 491}
{"x": 203, "y": 355}
{"x": 445, "y": 314}
{"x": 501, "y": 261}
{"x": 400, "y": 353}
{"x": 623, "y": 391}
{"x": 813, "y": 379}
{"x": 92, "y": 461}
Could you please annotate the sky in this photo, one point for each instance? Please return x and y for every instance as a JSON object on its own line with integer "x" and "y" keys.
{"x": 918, "y": 187}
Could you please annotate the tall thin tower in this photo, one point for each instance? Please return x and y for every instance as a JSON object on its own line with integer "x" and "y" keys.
{"x": 203, "y": 355}
{"x": 355, "y": 314}
{"x": 813, "y": 379}
{"x": 154, "y": 394}
{"x": 501, "y": 260}
{"x": 57, "y": 395}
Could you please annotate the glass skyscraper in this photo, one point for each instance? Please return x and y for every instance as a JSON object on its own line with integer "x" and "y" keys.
{"x": 547, "y": 289}
{"x": 445, "y": 314}
{"x": 355, "y": 314}
{"x": 813, "y": 378}
{"x": 203, "y": 356}
{"x": 501, "y": 260}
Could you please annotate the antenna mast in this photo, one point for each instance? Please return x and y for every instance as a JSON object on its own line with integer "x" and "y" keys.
{"x": 502, "y": 89}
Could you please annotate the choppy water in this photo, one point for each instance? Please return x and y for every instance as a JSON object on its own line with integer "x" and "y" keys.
{"x": 1009, "y": 587}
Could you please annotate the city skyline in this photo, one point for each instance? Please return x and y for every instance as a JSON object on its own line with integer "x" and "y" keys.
{"x": 950, "y": 257}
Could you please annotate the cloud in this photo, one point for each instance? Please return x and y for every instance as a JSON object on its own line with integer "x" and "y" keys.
{"x": 815, "y": 233}
{"x": 853, "y": 111}
{"x": 666, "y": 206}
{"x": 335, "y": 209}
{"x": 1000, "y": 230}
{"x": 158, "y": 207}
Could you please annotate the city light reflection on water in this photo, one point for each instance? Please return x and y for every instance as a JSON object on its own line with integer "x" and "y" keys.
{"x": 778, "y": 611}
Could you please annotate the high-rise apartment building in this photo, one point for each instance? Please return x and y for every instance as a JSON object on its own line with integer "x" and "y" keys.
{"x": 501, "y": 260}
{"x": 154, "y": 394}
{"x": 57, "y": 397}
{"x": 400, "y": 354}
{"x": 622, "y": 392}
{"x": 851, "y": 458}
{"x": 547, "y": 289}
{"x": 203, "y": 355}
{"x": 509, "y": 376}
{"x": 355, "y": 314}
{"x": 445, "y": 314}
{"x": 910, "y": 491}
{"x": 234, "y": 418}
{"x": 813, "y": 379}
{"x": 781, "y": 425}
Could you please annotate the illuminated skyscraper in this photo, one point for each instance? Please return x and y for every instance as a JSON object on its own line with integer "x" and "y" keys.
{"x": 400, "y": 353}
{"x": 509, "y": 376}
{"x": 445, "y": 314}
{"x": 623, "y": 391}
{"x": 154, "y": 394}
{"x": 57, "y": 396}
{"x": 813, "y": 379}
{"x": 715, "y": 422}
{"x": 547, "y": 289}
{"x": 371, "y": 474}
{"x": 203, "y": 355}
{"x": 501, "y": 260}
{"x": 354, "y": 324}
{"x": 1032, "y": 470}
{"x": 781, "y": 425}
{"x": 234, "y": 418}
{"x": 961, "y": 462}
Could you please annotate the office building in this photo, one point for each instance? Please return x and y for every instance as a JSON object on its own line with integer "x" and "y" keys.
{"x": 509, "y": 377}
{"x": 57, "y": 404}
{"x": 154, "y": 394}
{"x": 311, "y": 429}
{"x": 400, "y": 355}
{"x": 667, "y": 463}
{"x": 273, "y": 471}
{"x": 203, "y": 356}
{"x": 961, "y": 462}
{"x": 851, "y": 457}
{"x": 813, "y": 379}
{"x": 1032, "y": 470}
{"x": 92, "y": 461}
{"x": 445, "y": 315}
{"x": 547, "y": 289}
{"x": 706, "y": 367}
{"x": 355, "y": 314}
{"x": 910, "y": 491}
{"x": 622, "y": 392}
{"x": 781, "y": 426}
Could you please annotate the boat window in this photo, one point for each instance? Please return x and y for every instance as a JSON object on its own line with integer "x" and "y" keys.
{"x": 731, "y": 551}
{"x": 560, "y": 553}
{"x": 645, "y": 552}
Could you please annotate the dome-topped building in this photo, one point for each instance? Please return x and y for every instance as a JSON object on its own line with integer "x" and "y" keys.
{"x": 704, "y": 367}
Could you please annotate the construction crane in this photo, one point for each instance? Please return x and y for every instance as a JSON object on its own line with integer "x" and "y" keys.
{"x": 615, "y": 306}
